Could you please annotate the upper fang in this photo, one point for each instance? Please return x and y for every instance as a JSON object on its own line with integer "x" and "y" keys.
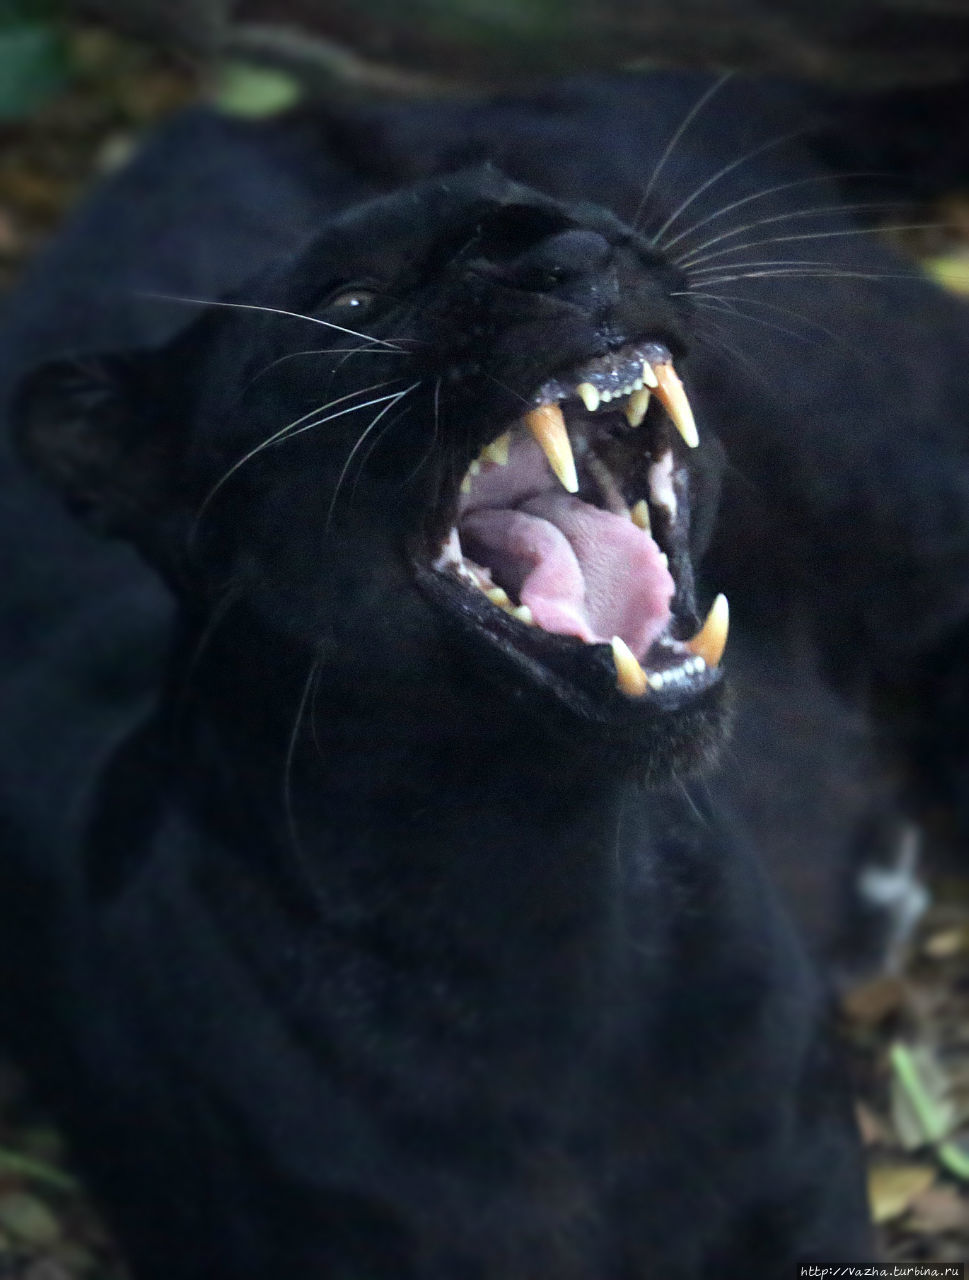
{"x": 547, "y": 425}
{"x": 670, "y": 391}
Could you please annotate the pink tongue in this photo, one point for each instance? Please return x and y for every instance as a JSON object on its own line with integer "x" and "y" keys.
{"x": 582, "y": 571}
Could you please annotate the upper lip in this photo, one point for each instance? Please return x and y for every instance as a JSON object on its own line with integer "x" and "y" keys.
{"x": 590, "y": 393}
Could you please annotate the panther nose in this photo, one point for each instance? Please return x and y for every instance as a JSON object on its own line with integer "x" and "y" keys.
{"x": 568, "y": 254}
{"x": 571, "y": 266}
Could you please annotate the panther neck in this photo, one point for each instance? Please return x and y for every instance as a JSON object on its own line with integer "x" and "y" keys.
{"x": 446, "y": 793}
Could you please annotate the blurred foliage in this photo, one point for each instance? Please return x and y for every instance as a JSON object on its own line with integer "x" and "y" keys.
{"x": 242, "y": 89}
{"x": 34, "y": 59}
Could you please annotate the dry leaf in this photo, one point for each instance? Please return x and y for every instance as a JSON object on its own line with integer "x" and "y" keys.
{"x": 28, "y": 1219}
{"x": 893, "y": 1187}
{"x": 946, "y": 943}
{"x": 874, "y": 1131}
{"x": 873, "y": 1001}
{"x": 940, "y": 1208}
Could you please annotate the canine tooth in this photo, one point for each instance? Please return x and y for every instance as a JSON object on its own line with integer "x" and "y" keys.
{"x": 637, "y": 406}
{"x": 523, "y": 614}
{"x": 547, "y": 425}
{"x": 669, "y": 388}
{"x": 640, "y": 515}
{"x": 450, "y": 554}
{"x": 498, "y": 596}
{"x": 661, "y": 489}
{"x": 711, "y": 640}
{"x": 630, "y": 677}
{"x": 588, "y": 395}
{"x": 497, "y": 451}
{"x": 649, "y": 377}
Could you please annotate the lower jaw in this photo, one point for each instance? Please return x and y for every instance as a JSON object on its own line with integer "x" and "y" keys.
{"x": 563, "y": 670}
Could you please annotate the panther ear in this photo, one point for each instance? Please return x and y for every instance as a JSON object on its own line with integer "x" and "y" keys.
{"x": 95, "y": 429}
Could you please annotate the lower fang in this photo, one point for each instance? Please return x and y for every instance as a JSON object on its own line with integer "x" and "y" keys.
{"x": 640, "y": 515}
{"x": 497, "y": 451}
{"x": 630, "y": 677}
{"x": 637, "y": 406}
{"x": 711, "y": 640}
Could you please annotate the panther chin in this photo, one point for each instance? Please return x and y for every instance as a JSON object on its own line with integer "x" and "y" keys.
{"x": 565, "y": 544}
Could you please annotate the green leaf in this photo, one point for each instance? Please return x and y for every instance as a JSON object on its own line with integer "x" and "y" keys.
{"x": 33, "y": 67}
{"x": 243, "y": 89}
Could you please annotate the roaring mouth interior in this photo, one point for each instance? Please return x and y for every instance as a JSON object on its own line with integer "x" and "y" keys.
{"x": 575, "y": 520}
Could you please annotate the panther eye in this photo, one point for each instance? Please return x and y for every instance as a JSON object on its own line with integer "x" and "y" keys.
{"x": 352, "y": 299}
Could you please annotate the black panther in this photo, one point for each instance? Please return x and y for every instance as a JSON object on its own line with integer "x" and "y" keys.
{"x": 374, "y": 905}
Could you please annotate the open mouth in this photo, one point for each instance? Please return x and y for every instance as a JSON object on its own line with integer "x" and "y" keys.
{"x": 574, "y": 522}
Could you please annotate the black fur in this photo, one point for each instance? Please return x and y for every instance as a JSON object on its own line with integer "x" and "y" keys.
{"x": 364, "y": 950}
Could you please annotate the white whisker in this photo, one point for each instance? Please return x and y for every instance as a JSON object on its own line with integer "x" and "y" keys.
{"x": 730, "y": 310}
{"x": 275, "y": 311}
{"x": 803, "y": 274}
{"x": 718, "y": 177}
{"x": 684, "y": 260}
{"x": 288, "y": 809}
{"x": 762, "y": 194}
{"x": 674, "y": 140}
{"x": 809, "y": 235}
{"x": 288, "y": 431}
{"x": 395, "y": 399}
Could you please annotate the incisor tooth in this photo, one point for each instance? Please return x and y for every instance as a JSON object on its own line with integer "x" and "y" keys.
{"x": 588, "y": 395}
{"x": 547, "y": 425}
{"x": 674, "y": 401}
{"x": 711, "y": 640}
{"x": 640, "y": 515}
{"x": 630, "y": 677}
{"x": 498, "y": 596}
{"x": 637, "y": 405}
{"x": 523, "y": 614}
{"x": 497, "y": 451}
{"x": 649, "y": 377}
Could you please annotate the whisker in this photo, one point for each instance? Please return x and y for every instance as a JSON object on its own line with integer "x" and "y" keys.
{"x": 714, "y": 336}
{"x": 288, "y": 431}
{"x": 817, "y": 211}
{"x": 812, "y": 235}
{"x": 395, "y": 399}
{"x": 214, "y": 621}
{"x": 729, "y": 310}
{"x": 327, "y": 351}
{"x": 275, "y": 311}
{"x": 674, "y": 140}
{"x": 375, "y": 443}
{"x": 812, "y": 264}
{"x": 718, "y": 177}
{"x": 747, "y": 300}
{"x": 288, "y": 809}
{"x": 437, "y": 424}
{"x": 762, "y": 194}
{"x": 822, "y": 274}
